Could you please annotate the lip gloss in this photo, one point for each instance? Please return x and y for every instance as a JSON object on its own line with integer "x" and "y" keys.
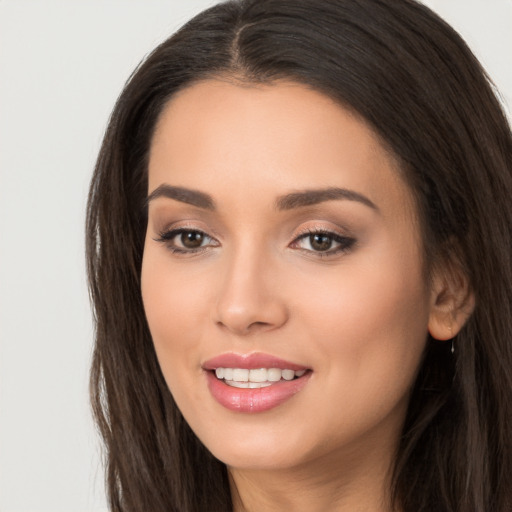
{"x": 253, "y": 400}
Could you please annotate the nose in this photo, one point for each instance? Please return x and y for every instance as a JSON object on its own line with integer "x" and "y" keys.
{"x": 251, "y": 297}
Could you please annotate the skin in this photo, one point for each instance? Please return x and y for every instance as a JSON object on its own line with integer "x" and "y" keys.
{"x": 358, "y": 318}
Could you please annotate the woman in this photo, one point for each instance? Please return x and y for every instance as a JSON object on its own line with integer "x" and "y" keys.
{"x": 299, "y": 237}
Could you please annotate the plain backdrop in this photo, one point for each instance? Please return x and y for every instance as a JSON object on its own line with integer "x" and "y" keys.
{"x": 62, "y": 65}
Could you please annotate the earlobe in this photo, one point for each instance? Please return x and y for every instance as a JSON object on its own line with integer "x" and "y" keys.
{"x": 452, "y": 303}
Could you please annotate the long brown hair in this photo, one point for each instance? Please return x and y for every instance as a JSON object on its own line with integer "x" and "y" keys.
{"x": 417, "y": 84}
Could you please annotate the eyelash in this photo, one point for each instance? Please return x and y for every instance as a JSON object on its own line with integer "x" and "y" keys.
{"x": 345, "y": 243}
{"x": 167, "y": 238}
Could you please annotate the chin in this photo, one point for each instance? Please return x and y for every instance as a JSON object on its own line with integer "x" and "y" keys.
{"x": 252, "y": 448}
{"x": 258, "y": 459}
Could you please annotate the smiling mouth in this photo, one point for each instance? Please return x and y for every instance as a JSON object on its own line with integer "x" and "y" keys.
{"x": 257, "y": 377}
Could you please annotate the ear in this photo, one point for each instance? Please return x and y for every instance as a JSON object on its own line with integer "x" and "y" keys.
{"x": 452, "y": 302}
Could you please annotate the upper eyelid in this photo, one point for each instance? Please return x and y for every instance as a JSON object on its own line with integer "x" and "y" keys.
{"x": 172, "y": 232}
{"x": 160, "y": 219}
{"x": 185, "y": 226}
{"x": 168, "y": 234}
{"x": 338, "y": 231}
{"x": 212, "y": 233}
{"x": 330, "y": 233}
{"x": 300, "y": 233}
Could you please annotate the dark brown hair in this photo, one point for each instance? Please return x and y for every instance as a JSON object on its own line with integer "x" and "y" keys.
{"x": 413, "y": 79}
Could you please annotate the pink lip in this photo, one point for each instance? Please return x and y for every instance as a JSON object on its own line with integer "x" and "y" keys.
{"x": 250, "y": 362}
{"x": 253, "y": 400}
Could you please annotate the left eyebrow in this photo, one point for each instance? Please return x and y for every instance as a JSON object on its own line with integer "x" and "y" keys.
{"x": 183, "y": 195}
{"x": 312, "y": 197}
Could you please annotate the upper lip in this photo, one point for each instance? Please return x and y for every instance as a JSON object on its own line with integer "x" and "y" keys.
{"x": 250, "y": 362}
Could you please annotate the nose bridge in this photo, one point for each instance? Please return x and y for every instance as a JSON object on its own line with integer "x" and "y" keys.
{"x": 249, "y": 299}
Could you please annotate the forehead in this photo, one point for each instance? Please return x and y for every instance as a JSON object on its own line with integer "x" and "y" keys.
{"x": 260, "y": 138}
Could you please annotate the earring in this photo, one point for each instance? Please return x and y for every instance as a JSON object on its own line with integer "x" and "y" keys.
{"x": 452, "y": 350}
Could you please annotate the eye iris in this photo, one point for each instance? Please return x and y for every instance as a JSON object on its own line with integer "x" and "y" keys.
{"x": 320, "y": 242}
{"x": 192, "y": 239}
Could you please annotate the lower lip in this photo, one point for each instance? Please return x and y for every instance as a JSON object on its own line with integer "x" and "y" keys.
{"x": 254, "y": 400}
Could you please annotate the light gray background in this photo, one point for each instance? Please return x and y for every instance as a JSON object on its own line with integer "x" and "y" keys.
{"x": 62, "y": 65}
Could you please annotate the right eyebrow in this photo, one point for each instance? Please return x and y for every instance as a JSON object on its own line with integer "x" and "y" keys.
{"x": 184, "y": 195}
{"x": 311, "y": 197}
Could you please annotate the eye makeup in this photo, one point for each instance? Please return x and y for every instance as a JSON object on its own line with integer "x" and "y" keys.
{"x": 318, "y": 242}
{"x": 186, "y": 240}
{"x": 323, "y": 243}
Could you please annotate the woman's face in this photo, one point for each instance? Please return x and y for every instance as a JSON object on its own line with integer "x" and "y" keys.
{"x": 282, "y": 239}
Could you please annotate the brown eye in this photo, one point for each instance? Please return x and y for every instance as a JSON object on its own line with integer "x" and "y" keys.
{"x": 320, "y": 242}
{"x": 192, "y": 239}
{"x": 186, "y": 241}
{"x": 323, "y": 243}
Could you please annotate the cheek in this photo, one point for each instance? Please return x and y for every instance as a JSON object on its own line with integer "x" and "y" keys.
{"x": 173, "y": 305}
{"x": 370, "y": 321}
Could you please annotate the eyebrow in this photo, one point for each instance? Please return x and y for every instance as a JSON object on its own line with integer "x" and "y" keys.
{"x": 311, "y": 197}
{"x": 290, "y": 201}
{"x": 184, "y": 195}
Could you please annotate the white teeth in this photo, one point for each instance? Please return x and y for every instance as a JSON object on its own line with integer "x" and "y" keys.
{"x": 274, "y": 374}
{"x": 288, "y": 374}
{"x": 255, "y": 378}
{"x": 240, "y": 374}
{"x": 252, "y": 385}
{"x": 259, "y": 375}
